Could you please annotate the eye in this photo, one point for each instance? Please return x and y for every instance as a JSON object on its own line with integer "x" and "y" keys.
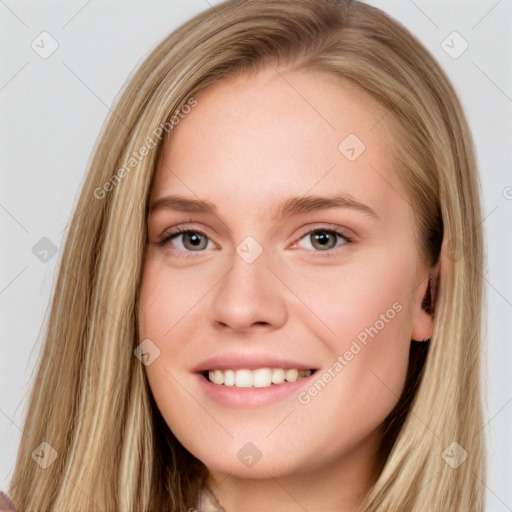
{"x": 323, "y": 240}
{"x": 186, "y": 240}
{"x": 190, "y": 240}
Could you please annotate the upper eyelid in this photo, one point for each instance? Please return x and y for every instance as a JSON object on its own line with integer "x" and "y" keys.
{"x": 180, "y": 229}
{"x": 177, "y": 231}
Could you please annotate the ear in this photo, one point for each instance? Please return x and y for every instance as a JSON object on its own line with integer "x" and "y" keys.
{"x": 424, "y": 305}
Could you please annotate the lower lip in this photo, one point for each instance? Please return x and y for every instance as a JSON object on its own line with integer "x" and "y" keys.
{"x": 231, "y": 396}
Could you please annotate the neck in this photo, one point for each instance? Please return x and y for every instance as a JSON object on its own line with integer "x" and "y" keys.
{"x": 336, "y": 486}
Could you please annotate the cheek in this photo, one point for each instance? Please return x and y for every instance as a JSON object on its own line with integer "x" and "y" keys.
{"x": 162, "y": 313}
{"x": 171, "y": 314}
{"x": 169, "y": 299}
{"x": 363, "y": 314}
{"x": 373, "y": 289}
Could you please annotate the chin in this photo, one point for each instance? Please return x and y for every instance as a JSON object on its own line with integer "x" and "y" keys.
{"x": 258, "y": 460}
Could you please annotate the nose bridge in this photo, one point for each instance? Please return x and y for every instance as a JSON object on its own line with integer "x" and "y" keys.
{"x": 249, "y": 293}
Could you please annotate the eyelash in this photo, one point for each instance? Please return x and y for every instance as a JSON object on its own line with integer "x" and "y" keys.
{"x": 166, "y": 239}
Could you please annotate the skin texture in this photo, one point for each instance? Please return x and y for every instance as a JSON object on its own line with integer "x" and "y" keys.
{"x": 251, "y": 143}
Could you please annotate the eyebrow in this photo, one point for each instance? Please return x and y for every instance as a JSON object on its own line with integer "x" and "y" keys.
{"x": 292, "y": 206}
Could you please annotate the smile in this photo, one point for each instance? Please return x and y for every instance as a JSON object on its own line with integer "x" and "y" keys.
{"x": 257, "y": 378}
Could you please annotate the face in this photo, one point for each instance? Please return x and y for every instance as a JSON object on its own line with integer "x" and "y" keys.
{"x": 282, "y": 264}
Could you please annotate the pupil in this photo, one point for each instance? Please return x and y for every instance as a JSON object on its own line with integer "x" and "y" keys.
{"x": 192, "y": 240}
{"x": 323, "y": 238}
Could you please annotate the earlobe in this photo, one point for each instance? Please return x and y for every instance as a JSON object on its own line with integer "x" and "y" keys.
{"x": 424, "y": 307}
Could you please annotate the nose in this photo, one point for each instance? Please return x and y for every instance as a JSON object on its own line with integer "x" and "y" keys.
{"x": 248, "y": 296}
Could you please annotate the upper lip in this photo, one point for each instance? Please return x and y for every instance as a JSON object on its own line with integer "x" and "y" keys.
{"x": 248, "y": 362}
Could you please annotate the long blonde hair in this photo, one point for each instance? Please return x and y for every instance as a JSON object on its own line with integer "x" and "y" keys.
{"x": 91, "y": 401}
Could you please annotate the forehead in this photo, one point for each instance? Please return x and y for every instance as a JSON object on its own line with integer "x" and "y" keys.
{"x": 269, "y": 135}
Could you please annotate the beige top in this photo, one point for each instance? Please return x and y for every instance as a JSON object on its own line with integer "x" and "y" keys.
{"x": 207, "y": 502}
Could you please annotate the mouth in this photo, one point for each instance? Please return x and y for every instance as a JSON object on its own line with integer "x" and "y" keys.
{"x": 256, "y": 378}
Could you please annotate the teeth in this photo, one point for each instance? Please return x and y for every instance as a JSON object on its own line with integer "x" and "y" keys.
{"x": 260, "y": 378}
{"x": 243, "y": 379}
{"x": 292, "y": 375}
{"x": 278, "y": 376}
{"x": 229, "y": 378}
{"x": 218, "y": 377}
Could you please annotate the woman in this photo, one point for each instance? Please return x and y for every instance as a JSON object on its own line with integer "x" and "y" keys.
{"x": 270, "y": 297}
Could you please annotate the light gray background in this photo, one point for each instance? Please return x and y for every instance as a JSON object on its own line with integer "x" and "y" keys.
{"x": 52, "y": 111}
